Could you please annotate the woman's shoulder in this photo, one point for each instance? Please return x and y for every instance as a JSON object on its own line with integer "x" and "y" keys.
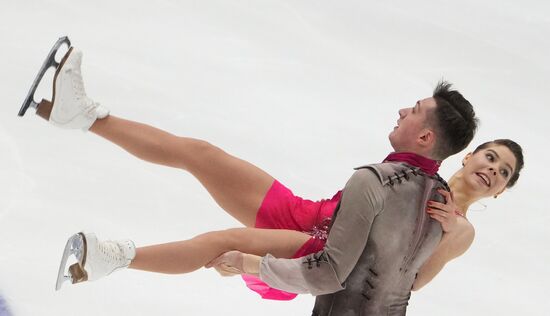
{"x": 465, "y": 228}
{"x": 464, "y": 237}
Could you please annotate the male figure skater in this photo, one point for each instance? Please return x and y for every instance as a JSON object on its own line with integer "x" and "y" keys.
{"x": 380, "y": 234}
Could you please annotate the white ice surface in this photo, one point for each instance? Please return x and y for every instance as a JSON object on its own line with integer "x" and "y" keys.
{"x": 304, "y": 89}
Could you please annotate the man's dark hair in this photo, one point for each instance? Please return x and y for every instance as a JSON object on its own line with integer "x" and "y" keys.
{"x": 515, "y": 149}
{"x": 453, "y": 120}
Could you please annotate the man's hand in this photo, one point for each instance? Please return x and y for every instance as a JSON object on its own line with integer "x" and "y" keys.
{"x": 235, "y": 262}
{"x": 227, "y": 271}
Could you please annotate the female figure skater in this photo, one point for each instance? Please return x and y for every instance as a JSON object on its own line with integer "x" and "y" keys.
{"x": 277, "y": 222}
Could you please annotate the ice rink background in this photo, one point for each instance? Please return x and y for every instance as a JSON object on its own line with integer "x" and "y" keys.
{"x": 306, "y": 90}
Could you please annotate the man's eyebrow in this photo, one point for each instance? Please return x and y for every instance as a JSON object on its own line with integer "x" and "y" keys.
{"x": 417, "y": 105}
{"x": 495, "y": 153}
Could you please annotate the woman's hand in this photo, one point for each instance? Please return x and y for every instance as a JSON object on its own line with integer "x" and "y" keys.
{"x": 444, "y": 212}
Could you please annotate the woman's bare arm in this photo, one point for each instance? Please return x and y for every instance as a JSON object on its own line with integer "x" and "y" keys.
{"x": 452, "y": 245}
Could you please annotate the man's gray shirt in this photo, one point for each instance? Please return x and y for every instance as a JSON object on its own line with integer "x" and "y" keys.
{"x": 379, "y": 238}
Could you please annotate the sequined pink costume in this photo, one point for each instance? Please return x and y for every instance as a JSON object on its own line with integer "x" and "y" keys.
{"x": 281, "y": 209}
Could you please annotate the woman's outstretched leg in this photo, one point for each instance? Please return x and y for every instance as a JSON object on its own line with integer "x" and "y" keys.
{"x": 190, "y": 255}
{"x": 97, "y": 259}
{"x": 236, "y": 185}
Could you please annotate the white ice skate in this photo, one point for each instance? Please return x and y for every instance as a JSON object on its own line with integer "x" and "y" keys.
{"x": 70, "y": 106}
{"x": 95, "y": 259}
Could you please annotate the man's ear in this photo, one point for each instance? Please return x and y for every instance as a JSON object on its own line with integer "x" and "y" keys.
{"x": 427, "y": 138}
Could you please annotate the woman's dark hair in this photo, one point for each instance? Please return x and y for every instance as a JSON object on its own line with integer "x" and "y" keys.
{"x": 454, "y": 120}
{"x": 515, "y": 149}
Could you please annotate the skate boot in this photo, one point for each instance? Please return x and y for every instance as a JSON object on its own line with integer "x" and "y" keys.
{"x": 95, "y": 259}
{"x": 70, "y": 106}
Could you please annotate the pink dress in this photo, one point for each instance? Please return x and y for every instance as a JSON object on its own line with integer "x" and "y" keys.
{"x": 281, "y": 209}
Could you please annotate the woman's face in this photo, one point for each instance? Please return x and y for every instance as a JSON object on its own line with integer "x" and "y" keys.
{"x": 489, "y": 170}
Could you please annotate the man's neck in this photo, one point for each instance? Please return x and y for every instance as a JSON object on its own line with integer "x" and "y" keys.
{"x": 416, "y": 151}
{"x": 427, "y": 165}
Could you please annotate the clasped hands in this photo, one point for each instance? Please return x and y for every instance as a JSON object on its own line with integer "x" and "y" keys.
{"x": 235, "y": 262}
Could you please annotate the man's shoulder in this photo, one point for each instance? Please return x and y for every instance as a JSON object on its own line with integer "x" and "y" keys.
{"x": 391, "y": 172}
{"x": 365, "y": 176}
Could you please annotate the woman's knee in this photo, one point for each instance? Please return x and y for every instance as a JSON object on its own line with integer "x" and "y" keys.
{"x": 194, "y": 152}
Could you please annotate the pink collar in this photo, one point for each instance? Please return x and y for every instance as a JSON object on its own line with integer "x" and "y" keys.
{"x": 427, "y": 165}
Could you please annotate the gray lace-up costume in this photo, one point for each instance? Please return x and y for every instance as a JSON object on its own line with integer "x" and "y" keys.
{"x": 379, "y": 238}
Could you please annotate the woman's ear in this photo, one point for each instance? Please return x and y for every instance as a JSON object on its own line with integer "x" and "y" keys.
{"x": 466, "y": 158}
{"x": 500, "y": 192}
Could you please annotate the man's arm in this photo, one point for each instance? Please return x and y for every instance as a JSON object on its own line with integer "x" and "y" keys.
{"x": 325, "y": 272}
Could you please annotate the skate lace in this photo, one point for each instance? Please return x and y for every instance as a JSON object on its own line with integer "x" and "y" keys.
{"x": 112, "y": 252}
{"x": 80, "y": 92}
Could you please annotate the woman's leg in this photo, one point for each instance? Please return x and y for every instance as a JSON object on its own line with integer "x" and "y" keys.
{"x": 236, "y": 185}
{"x": 190, "y": 255}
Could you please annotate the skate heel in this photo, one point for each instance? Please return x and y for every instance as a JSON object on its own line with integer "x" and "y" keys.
{"x": 77, "y": 274}
{"x": 44, "y": 109}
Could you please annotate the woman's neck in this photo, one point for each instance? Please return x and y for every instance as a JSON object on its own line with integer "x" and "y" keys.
{"x": 462, "y": 194}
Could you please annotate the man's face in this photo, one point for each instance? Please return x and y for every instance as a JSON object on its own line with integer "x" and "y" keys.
{"x": 411, "y": 124}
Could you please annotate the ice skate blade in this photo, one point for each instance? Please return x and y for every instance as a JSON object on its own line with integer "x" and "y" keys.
{"x": 49, "y": 62}
{"x": 76, "y": 245}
